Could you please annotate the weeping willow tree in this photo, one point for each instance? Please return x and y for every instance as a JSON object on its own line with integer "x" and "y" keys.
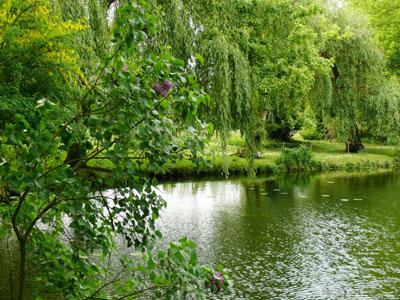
{"x": 95, "y": 41}
{"x": 210, "y": 36}
{"x": 356, "y": 74}
{"x": 284, "y": 56}
{"x": 383, "y": 17}
{"x": 259, "y": 57}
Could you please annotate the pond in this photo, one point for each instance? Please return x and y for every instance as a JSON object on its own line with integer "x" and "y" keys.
{"x": 326, "y": 236}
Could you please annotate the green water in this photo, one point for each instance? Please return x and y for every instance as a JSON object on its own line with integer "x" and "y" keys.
{"x": 309, "y": 240}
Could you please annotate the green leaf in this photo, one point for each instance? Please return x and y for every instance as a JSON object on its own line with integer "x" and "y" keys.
{"x": 199, "y": 58}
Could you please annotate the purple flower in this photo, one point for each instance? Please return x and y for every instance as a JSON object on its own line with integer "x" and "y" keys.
{"x": 163, "y": 92}
{"x": 125, "y": 68}
{"x": 218, "y": 279}
{"x": 167, "y": 85}
{"x": 164, "y": 88}
{"x": 157, "y": 88}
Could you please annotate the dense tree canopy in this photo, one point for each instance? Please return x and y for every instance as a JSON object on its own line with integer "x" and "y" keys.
{"x": 384, "y": 18}
{"x": 260, "y": 59}
{"x": 38, "y": 55}
{"x": 356, "y": 74}
{"x": 91, "y": 100}
{"x": 266, "y": 60}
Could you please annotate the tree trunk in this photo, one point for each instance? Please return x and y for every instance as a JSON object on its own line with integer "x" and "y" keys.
{"x": 354, "y": 143}
{"x": 353, "y": 147}
{"x": 22, "y": 262}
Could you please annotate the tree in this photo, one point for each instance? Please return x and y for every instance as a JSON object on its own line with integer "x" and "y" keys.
{"x": 64, "y": 223}
{"x": 207, "y": 33}
{"x": 38, "y": 56}
{"x": 284, "y": 58}
{"x": 260, "y": 58}
{"x": 356, "y": 73}
{"x": 382, "y": 113}
{"x": 384, "y": 19}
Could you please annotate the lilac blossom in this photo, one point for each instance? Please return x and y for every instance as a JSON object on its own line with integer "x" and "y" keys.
{"x": 163, "y": 88}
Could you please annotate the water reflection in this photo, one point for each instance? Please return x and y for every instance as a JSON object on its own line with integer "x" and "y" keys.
{"x": 293, "y": 237}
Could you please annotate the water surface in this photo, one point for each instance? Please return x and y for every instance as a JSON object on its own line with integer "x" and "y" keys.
{"x": 329, "y": 236}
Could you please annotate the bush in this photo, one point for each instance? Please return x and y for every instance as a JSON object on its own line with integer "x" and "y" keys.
{"x": 299, "y": 159}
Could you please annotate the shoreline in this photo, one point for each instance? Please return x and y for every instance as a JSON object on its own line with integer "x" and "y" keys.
{"x": 239, "y": 167}
{"x": 328, "y": 156}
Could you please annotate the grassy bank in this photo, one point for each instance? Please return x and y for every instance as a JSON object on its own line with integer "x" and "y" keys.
{"x": 328, "y": 156}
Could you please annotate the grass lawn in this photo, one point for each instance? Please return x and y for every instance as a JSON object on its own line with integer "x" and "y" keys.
{"x": 329, "y": 155}
{"x": 333, "y": 153}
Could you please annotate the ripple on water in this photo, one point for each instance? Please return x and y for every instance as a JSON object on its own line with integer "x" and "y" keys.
{"x": 300, "y": 248}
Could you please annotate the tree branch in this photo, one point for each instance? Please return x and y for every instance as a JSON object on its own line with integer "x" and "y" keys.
{"x": 15, "y": 215}
{"x": 102, "y": 71}
{"x": 115, "y": 279}
{"x": 155, "y": 287}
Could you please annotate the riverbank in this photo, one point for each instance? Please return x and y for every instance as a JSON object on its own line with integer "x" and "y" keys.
{"x": 329, "y": 156}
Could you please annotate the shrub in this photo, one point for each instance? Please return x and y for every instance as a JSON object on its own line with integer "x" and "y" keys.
{"x": 299, "y": 159}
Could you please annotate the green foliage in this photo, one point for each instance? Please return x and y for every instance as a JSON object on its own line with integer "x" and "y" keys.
{"x": 177, "y": 272}
{"x": 284, "y": 53}
{"x": 265, "y": 61}
{"x": 382, "y": 113}
{"x": 94, "y": 42}
{"x": 356, "y": 72}
{"x": 384, "y": 18}
{"x": 312, "y": 129}
{"x": 260, "y": 61}
{"x": 298, "y": 159}
{"x": 173, "y": 273}
{"x": 64, "y": 228}
{"x": 37, "y": 53}
{"x": 77, "y": 94}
